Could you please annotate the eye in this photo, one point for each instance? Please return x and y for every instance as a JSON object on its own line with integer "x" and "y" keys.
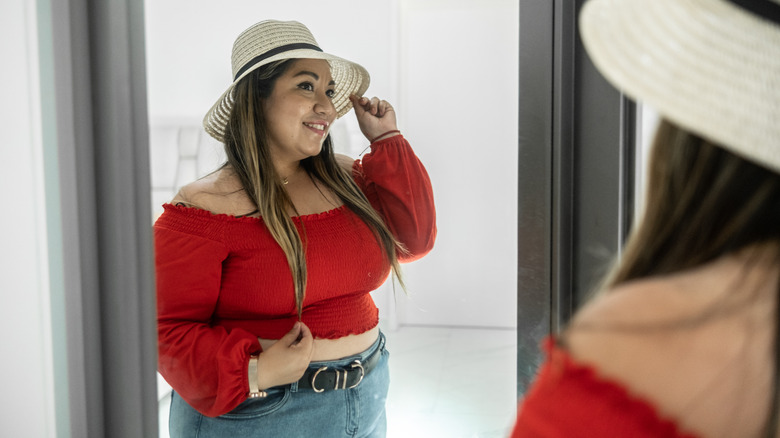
{"x": 331, "y": 93}
{"x": 308, "y": 86}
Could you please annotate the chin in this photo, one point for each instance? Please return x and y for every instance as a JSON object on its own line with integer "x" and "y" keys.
{"x": 311, "y": 153}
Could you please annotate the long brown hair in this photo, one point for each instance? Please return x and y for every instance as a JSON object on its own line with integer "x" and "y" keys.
{"x": 703, "y": 202}
{"x": 247, "y": 151}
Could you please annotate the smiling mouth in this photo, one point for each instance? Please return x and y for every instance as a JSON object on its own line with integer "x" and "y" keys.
{"x": 317, "y": 126}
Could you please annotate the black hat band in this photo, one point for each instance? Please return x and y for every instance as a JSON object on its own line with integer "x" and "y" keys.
{"x": 275, "y": 51}
{"x": 763, "y": 8}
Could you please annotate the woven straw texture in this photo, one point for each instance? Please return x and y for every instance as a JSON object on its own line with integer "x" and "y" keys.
{"x": 350, "y": 78}
{"x": 707, "y": 65}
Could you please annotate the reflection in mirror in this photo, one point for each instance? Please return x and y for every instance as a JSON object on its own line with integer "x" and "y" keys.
{"x": 450, "y": 70}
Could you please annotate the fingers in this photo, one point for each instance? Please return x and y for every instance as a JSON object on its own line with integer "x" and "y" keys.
{"x": 286, "y": 360}
{"x": 374, "y": 116}
{"x": 291, "y": 337}
{"x": 305, "y": 331}
{"x": 356, "y": 103}
{"x": 373, "y": 106}
{"x": 383, "y": 108}
{"x": 305, "y": 338}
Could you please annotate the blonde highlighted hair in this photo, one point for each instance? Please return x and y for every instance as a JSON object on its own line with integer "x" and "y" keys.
{"x": 248, "y": 155}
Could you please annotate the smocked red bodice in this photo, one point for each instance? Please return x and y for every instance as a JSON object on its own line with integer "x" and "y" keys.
{"x": 223, "y": 281}
{"x": 236, "y": 266}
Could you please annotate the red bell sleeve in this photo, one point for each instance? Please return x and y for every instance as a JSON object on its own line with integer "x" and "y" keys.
{"x": 206, "y": 365}
{"x": 398, "y": 187}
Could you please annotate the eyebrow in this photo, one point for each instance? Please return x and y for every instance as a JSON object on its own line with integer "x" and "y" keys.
{"x": 312, "y": 74}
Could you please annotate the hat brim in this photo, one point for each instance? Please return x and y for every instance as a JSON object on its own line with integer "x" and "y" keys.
{"x": 707, "y": 65}
{"x": 350, "y": 78}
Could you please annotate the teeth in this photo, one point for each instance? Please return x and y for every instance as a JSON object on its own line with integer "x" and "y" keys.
{"x": 316, "y": 126}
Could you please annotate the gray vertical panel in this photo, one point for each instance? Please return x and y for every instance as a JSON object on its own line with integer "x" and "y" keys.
{"x": 563, "y": 162}
{"x": 630, "y": 141}
{"x": 603, "y": 166}
{"x": 100, "y": 138}
{"x": 575, "y": 174}
{"x": 76, "y": 203}
{"x": 124, "y": 217}
{"x": 534, "y": 184}
{"x": 54, "y": 234}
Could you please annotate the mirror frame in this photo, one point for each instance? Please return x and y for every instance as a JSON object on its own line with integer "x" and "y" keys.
{"x": 95, "y": 132}
{"x": 576, "y": 140}
{"x": 577, "y": 137}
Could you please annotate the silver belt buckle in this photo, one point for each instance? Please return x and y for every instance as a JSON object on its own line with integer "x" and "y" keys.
{"x": 339, "y": 376}
{"x": 314, "y": 380}
{"x": 356, "y": 364}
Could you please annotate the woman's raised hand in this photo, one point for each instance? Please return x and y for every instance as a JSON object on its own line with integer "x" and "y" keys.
{"x": 286, "y": 360}
{"x": 374, "y": 116}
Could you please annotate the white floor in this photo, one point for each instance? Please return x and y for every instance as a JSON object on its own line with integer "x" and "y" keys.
{"x": 445, "y": 382}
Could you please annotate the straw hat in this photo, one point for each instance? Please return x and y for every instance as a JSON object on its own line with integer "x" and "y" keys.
{"x": 269, "y": 41}
{"x": 710, "y": 66}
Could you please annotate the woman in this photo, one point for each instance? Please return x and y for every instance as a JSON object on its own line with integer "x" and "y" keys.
{"x": 264, "y": 268}
{"x": 683, "y": 341}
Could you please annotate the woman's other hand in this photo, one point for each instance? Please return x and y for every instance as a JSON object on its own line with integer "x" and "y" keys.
{"x": 374, "y": 116}
{"x": 286, "y": 360}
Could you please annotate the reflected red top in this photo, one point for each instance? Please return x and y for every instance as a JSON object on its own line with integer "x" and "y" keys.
{"x": 569, "y": 400}
{"x": 223, "y": 281}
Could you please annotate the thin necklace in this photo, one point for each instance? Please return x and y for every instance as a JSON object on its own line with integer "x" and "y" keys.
{"x": 286, "y": 180}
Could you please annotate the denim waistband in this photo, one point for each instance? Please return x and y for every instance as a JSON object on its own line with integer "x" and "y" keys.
{"x": 345, "y": 361}
{"x": 342, "y": 362}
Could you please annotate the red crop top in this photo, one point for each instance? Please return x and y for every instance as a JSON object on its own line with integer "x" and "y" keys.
{"x": 569, "y": 400}
{"x": 223, "y": 281}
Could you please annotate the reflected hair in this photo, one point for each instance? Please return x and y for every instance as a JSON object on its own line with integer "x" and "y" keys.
{"x": 703, "y": 202}
{"x": 248, "y": 154}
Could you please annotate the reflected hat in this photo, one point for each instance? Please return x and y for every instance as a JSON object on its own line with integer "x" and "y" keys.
{"x": 711, "y": 67}
{"x": 269, "y": 41}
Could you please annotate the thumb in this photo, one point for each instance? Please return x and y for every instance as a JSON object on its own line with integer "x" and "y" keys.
{"x": 355, "y": 99}
{"x": 291, "y": 337}
{"x": 305, "y": 336}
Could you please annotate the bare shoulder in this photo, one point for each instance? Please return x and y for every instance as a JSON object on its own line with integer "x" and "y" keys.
{"x": 669, "y": 312}
{"x": 654, "y": 337}
{"x": 346, "y": 162}
{"x": 219, "y": 192}
{"x": 622, "y": 323}
{"x": 617, "y": 328}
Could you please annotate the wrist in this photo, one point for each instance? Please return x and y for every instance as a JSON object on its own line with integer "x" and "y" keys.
{"x": 384, "y": 135}
{"x": 253, "y": 375}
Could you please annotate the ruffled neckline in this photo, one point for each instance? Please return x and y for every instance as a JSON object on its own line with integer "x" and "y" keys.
{"x": 645, "y": 411}
{"x": 195, "y": 211}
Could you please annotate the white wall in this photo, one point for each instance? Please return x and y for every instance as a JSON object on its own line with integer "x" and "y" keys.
{"x": 188, "y": 45}
{"x": 26, "y": 371}
{"x": 450, "y": 69}
{"x": 459, "y": 81}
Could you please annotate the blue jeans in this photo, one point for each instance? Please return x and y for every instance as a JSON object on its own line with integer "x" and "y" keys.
{"x": 291, "y": 412}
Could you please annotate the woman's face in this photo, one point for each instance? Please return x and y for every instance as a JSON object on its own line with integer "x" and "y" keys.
{"x": 299, "y": 112}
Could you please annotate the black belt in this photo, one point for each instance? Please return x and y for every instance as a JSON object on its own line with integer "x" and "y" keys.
{"x": 347, "y": 377}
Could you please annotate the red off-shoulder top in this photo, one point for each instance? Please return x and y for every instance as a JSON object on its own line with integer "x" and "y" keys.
{"x": 569, "y": 400}
{"x": 222, "y": 281}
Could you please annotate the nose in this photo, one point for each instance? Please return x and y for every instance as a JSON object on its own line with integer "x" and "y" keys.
{"x": 324, "y": 105}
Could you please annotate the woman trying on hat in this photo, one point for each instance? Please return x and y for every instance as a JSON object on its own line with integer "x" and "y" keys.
{"x": 264, "y": 267}
{"x": 683, "y": 340}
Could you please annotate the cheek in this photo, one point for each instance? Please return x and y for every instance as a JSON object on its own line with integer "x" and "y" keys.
{"x": 283, "y": 121}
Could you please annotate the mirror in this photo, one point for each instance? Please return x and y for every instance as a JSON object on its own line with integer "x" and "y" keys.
{"x": 450, "y": 68}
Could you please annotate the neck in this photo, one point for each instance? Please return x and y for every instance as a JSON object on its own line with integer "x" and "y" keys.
{"x": 288, "y": 172}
